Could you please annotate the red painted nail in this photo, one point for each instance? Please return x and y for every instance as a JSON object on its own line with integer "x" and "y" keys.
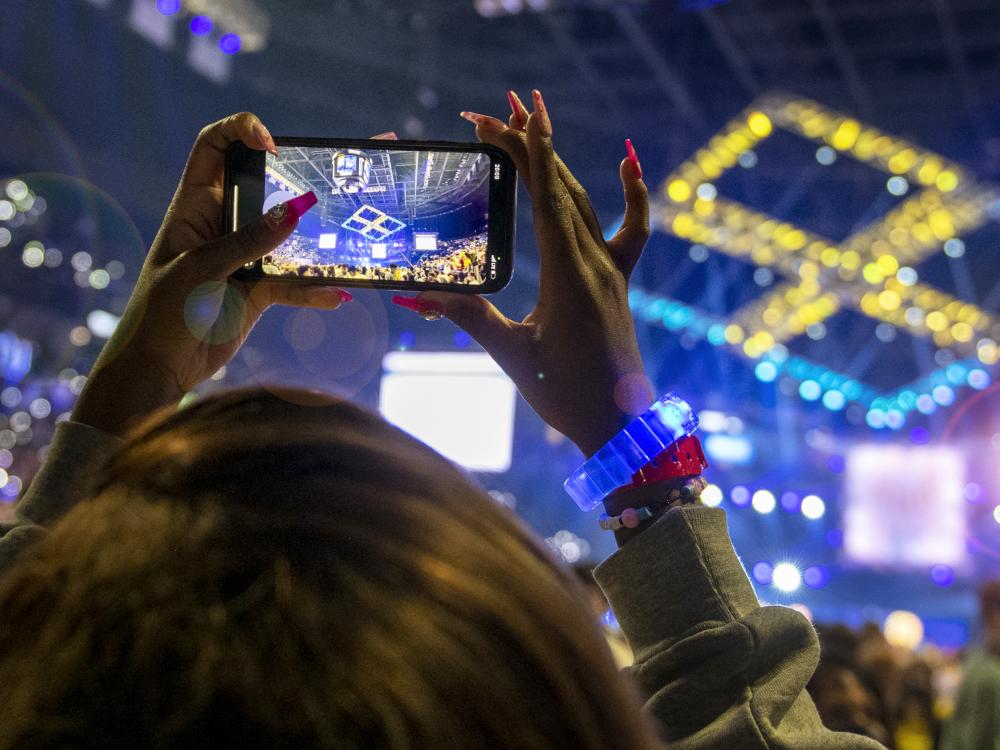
{"x": 633, "y": 157}
{"x": 516, "y": 110}
{"x": 345, "y": 296}
{"x": 546, "y": 124}
{"x": 288, "y": 213}
{"x": 420, "y": 306}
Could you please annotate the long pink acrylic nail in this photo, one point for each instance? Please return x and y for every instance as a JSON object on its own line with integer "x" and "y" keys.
{"x": 288, "y": 213}
{"x": 518, "y": 120}
{"x": 420, "y": 306}
{"x": 543, "y": 113}
{"x": 633, "y": 157}
{"x": 345, "y": 296}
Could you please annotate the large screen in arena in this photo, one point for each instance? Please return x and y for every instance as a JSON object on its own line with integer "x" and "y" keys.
{"x": 383, "y": 214}
{"x": 904, "y": 506}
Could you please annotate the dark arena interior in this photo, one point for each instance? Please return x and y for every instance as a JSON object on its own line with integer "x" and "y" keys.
{"x": 821, "y": 281}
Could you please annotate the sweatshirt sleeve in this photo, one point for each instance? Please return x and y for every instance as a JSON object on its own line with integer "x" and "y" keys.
{"x": 717, "y": 669}
{"x": 74, "y": 454}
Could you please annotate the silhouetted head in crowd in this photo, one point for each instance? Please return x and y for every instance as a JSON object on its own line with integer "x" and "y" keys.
{"x": 261, "y": 570}
{"x": 989, "y": 609}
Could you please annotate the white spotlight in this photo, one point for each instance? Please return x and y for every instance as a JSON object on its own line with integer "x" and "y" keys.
{"x": 786, "y": 577}
{"x": 813, "y": 507}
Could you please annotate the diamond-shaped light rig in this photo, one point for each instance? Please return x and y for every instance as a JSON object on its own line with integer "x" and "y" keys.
{"x": 373, "y": 224}
{"x": 871, "y": 271}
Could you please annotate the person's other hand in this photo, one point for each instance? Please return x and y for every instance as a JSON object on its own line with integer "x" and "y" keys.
{"x": 186, "y": 317}
{"x": 575, "y": 357}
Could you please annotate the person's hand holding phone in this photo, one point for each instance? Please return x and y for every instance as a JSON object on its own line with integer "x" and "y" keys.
{"x": 575, "y": 357}
{"x": 186, "y": 318}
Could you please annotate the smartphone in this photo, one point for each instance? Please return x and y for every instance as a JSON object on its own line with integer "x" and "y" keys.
{"x": 390, "y": 214}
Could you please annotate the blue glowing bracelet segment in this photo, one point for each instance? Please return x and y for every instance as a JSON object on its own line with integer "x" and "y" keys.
{"x": 642, "y": 440}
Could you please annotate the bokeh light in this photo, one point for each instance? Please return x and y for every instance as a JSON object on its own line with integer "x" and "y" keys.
{"x": 786, "y": 577}
{"x": 763, "y": 501}
{"x": 903, "y": 629}
{"x": 813, "y": 507}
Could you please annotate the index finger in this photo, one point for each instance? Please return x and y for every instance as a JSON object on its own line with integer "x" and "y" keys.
{"x": 206, "y": 163}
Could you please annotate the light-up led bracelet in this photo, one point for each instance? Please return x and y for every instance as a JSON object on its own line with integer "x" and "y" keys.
{"x": 628, "y": 453}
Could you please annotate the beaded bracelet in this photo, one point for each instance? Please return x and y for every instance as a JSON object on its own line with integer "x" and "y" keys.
{"x": 630, "y": 518}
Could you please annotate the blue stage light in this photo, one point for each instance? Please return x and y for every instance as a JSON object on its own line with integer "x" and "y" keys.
{"x": 834, "y": 400}
{"x": 790, "y": 501}
{"x": 920, "y": 436}
{"x": 955, "y": 372}
{"x": 729, "y": 449}
{"x": 836, "y": 463}
{"x": 717, "y": 335}
{"x": 762, "y": 573}
{"x": 978, "y": 379}
{"x": 925, "y": 404}
{"x": 766, "y": 372}
{"x": 894, "y": 419}
{"x": 201, "y": 25}
{"x": 406, "y": 340}
{"x": 810, "y": 390}
{"x": 168, "y": 7}
{"x": 875, "y": 418}
{"x": 462, "y": 340}
{"x": 230, "y": 44}
{"x": 816, "y": 577}
{"x": 943, "y": 395}
{"x": 942, "y": 575}
{"x": 740, "y": 496}
{"x": 835, "y": 538}
{"x": 826, "y": 155}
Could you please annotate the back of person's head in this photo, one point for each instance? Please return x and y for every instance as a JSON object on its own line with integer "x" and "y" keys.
{"x": 259, "y": 570}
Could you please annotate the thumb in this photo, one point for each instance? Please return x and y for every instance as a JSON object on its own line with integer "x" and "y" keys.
{"x": 477, "y": 316}
{"x": 256, "y": 238}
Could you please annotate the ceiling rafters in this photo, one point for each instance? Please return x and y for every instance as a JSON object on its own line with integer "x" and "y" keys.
{"x": 842, "y": 54}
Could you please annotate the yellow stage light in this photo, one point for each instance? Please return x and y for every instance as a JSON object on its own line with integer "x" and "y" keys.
{"x": 872, "y": 274}
{"x": 679, "y": 191}
{"x": 936, "y": 321}
{"x": 830, "y": 257}
{"x": 846, "y": 135}
{"x": 683, "y": 225}
{"x": 962, "y": 332}
{"x": 889, "y": 300}
{"x": 929, "y": 171}
{"x": 887, "y": 264}
{"x": 904, "y": 237}
{"x": 946, "y": 181}
{"x": 759, "y": 124}
{"x": 902, "y": 162}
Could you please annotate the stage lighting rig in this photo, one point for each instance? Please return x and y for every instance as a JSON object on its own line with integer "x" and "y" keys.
{"x": 243, "y": 18}
{"x": 495, "y": 8}
{"x": 871, "y": 272}
{"x": 219, "y": 29}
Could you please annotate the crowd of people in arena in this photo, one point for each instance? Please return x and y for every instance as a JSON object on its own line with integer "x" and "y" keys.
{"x": 913, "y": 698}
{"x": 459, "y": 261}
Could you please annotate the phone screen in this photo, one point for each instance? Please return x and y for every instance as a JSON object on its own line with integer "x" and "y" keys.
{"x": 404, "y": 217}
